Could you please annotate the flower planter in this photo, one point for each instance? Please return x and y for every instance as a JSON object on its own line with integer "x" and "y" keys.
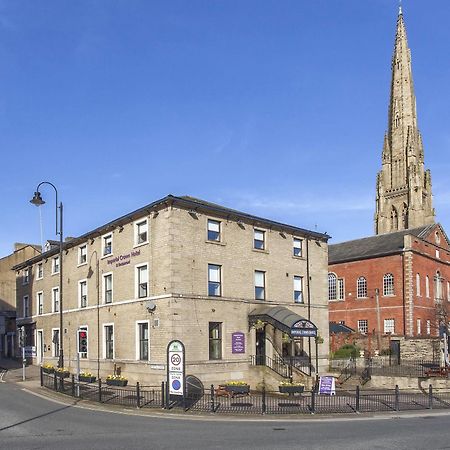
{"x": 87, "y": 379}
{"x": 238, "y": 389}
{"x": 291, "y": 389}
{"x": 121, "y": 383}
{"x": 65, "y": 374}
{"x": 48, "y": 370}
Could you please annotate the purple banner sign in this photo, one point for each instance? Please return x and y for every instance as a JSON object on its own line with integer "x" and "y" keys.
{"x": 238, "y": 342}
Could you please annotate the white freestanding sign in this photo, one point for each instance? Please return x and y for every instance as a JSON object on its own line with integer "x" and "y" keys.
{"x": 175, "y": 368}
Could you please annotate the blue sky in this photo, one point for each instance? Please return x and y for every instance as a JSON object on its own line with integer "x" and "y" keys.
{"x": 277, "y": 108}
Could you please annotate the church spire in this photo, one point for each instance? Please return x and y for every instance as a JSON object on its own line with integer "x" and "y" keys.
{"x": 403, "y": 197}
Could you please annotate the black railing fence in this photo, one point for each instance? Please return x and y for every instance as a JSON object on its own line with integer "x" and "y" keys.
{"x": 216, "y": 400}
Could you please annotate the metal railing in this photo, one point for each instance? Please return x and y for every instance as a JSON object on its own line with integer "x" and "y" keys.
{"x": 221, "y": 401}
{"x": 277, "y": 364}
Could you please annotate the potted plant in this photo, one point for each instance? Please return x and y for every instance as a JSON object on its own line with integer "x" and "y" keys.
{"x": 62, "y": 372}
{"x": 116, "y": 380}
{"x": 48, "y": 368}
{"x": 87, "y": 377}
{"x": 237, "y": 387}
{"x": 291, "y": 387}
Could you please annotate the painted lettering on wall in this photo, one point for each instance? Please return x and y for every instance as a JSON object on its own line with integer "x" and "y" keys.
{"x": 124, "y": 259}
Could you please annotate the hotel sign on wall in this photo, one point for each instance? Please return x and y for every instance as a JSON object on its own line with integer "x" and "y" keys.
{"x": 123, "y": 259}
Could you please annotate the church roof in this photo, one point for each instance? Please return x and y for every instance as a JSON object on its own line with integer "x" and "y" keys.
{"x": 373, "y": 246}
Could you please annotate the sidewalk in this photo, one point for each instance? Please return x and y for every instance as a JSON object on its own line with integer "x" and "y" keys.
{"x": 14, "y": 373}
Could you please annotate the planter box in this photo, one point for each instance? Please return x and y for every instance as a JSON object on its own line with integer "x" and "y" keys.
{"x": 65, "y": 374}
{"x": 87, "y": 379}
{"x": 46, "y": 370}
{"x": 238, "y": 390}
{"x": 121, "y": 383}
{"x": 291, "y": 389}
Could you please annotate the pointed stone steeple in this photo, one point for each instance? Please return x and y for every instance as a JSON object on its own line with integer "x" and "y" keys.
{"x": 403, "y": 192}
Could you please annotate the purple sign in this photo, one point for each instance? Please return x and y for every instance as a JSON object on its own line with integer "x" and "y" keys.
{"x": 238, "y": 342}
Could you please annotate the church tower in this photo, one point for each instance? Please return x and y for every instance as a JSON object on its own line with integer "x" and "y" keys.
{"x": 403, "y": 190}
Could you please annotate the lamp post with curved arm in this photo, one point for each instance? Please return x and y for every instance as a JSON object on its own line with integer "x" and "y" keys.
{"x": 38, "y": 201}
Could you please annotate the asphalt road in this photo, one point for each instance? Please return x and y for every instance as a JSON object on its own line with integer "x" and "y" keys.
{"x": 31, "y": 422}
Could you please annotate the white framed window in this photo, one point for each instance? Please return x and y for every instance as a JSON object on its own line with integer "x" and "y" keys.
{"x": 55, "y": 299}
{"x": 214, "y": 280}
{"x": 363, "y": 326}
{"x": 83, "y": 355}
{"x": 82, "y": 294}
{"x": 108, "y": 341}
{"x": 388, "y": 284}
{"x": 39, "y": 271}
{"x": 298, "y": 289}
{"x": 297, "y": 248}
{"x": 107, "y": 244}
{"x": 26, "y": 306}
{"x": 428, "y": 327}
{"x": 341, "y": 289}
{"x": 141, "y": 274}
{"x": 40, "y": 302}
{"x": 55, "y": 342}
{"x": 427, "y": 286}
{"x": 448, "y": 291}
{"x": 332, "y": 286}
{"x": 418, "y": 284}
{"x": 260, "y": 285}
{"x": 107, "y": 287}
{"x": 213, "y": 232}
{"x": 82, "y": 254}
{"x": 215, "y": 340}
{"x": 26, "y": 276}
{"x": 419, "y": 326}
{"x": 259, "y": 239}
{"x": 142, "y": 340}
{"x": 55, "y": 265}
{"x": 361, "y": 287}
{"x": 141, "y": 232}
{"x": 389, "y": 326}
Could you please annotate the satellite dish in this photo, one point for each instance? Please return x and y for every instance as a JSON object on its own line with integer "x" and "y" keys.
{"x": 150, "y": 305}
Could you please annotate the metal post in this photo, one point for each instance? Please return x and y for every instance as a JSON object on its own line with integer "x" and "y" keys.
{"x": 430, "y": 396}
{"x": 24, "y": 361}
{"x": 138, "y": 395}
{"x": 264, "y": 399}
{"x": 163, "y": 396}
{"x": 55, "y": 381}
{"x": 357, "y": 399}
{"x": 61, "y": 332}
{"x": 100, "y": 390}
{"x": 41, "y": 372}
{"x": 317, "y": 358}
{"x": 313, "y": 401}
{"x": 73, "y": 386}
{"x": 397, "y": 394}
{"x": 213, "y": 406}
{"x": 377, "y": 299}
{"x": 78, "y": 372}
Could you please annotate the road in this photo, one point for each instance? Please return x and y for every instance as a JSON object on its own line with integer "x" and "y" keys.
{"x": 31, "y": 422}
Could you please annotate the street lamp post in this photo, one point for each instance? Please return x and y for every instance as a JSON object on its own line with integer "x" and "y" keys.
{"x": 38, "y": 201}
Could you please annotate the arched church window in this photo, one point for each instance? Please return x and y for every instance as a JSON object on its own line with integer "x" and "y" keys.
{"x": 332, "y": 286}
{"x": 394, "y": 219}
{"x": 397, "y": 120}
{"x": 405, "y": 217}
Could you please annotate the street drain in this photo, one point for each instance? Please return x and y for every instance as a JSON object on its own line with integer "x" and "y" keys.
{"x": 279, "y": 429}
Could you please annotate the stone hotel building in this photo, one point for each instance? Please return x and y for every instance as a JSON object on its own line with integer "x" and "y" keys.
{"x": 229, "y": 285}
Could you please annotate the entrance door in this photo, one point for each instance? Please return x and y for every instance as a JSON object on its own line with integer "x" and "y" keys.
{"x": 260, "y": 347}
{"x": 395, "y": 352}
{"x": 40, "y": 346}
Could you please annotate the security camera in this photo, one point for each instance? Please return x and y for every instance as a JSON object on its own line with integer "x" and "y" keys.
{"x": 150, "y": 306}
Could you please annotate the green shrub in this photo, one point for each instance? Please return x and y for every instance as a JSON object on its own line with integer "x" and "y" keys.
{"x": 346, "y": 351}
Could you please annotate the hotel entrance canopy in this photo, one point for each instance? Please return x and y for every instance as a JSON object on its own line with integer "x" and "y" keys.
{"x": 283, "y": 319}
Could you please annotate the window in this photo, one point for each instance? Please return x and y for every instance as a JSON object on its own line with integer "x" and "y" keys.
{"x": 437, "y": 238}
{"x": 26, "y": 306}
{"x": 418, "y": 284}
{"x": 107, "y": 288}
{"x": 215, "y": 340}
{"x": 388, "y": 284}
{"x": 389, "y": 326}
{"x": 361, "y": 288}
{"x": 298, "y": 289}
{"x": 142, "y": 281}
{"x": 438, "y": 254}
{"x": 39, "y": 271}
{"x": 55, "y": 342}
{"x": 84, "y": 355}
{"x": 82, "y": 255}
{"x": 419, "y": 326}
{"x": 438, "y": 287}
{"x": 428, "y": 327}
{"x": 83, "y": 293}
{"x": 107, "y": 245}
{"x": 55, "y": 265}
{"x": 214, "y": 280}
{"x": 26, "y": 276}
{"x": 213, "y": 230}
{"x": 363, "y": 326}
{"x": 259, "y": 239}
{"x": 340, "y": 289}
{"x": 108, "y": 333}
{"x": 141, "y": 232}
{"x": 55, "y": 299}
{"x": 40, "y": 302}
{"x": 448, "y": 291}
{"x": 142, "y": 330}
{"x": 260, "y": 285}
{"x": 297, "y": 247}
{"x": 332, "y": 286}
{"x": 427, "y": 286}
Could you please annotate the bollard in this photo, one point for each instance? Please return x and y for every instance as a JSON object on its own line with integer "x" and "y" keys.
{"x": 138, "y": 395}
{"x": 213, "y": 407}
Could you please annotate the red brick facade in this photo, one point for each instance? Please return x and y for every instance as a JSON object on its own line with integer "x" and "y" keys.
{"x": 415, "y": 311}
